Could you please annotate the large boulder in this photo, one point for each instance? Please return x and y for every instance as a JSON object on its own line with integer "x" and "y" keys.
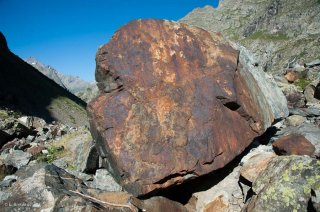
{"x": 176, "y": 104}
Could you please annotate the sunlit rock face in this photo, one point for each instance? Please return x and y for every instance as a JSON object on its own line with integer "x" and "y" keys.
{"x": 175, "y": 104}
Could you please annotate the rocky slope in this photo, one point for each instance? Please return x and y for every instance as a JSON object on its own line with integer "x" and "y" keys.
{"x": 278, "y": 32}
{"x": 51, "y": 166}
{"x": 25, "y": 89}
{"x": 83, "y": 89}
{"x": 177, "y": 122}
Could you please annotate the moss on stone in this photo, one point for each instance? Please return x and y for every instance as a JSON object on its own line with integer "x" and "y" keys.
{"x": 285, "y": 176}
{"x": 288, "y": 195}
{"x": 291, "y": 189}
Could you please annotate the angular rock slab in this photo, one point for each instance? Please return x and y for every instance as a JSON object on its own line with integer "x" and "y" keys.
{"x": 174, "y": 105}
{"x": 294, "y": 144}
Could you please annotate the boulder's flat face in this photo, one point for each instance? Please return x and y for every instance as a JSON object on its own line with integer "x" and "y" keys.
{"x": 294, "y": 144}
{"x": 174, "y": 105}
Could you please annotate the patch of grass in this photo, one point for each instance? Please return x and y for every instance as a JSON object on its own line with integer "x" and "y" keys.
{"x": 266, "y": 36}
{"x": 63, "y": 102}
{"x": 302, "y": 83}
{"x": 54, "y": 153}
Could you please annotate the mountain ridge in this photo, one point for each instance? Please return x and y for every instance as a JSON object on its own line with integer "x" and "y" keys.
{"x": 79, "y": 87}
{"x": 276, "y": 31}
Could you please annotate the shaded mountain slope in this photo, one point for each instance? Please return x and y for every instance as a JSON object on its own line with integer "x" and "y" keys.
{"x": 46, "y": 70}
{"x": 25, "y": 89}
{"x": 278, "y": 32}
{"x": 81, "y": 88}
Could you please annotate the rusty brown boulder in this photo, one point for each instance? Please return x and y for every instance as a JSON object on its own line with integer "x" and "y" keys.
{"x": 174, "y": 106}
{"x": 294, "y": 144}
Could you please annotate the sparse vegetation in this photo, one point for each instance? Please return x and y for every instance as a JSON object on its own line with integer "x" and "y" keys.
{"x": 302, "y": 83}
{"x": 266, "y": 36}
{"x": 54, "y": 153}
{"x": 63, "y": 102}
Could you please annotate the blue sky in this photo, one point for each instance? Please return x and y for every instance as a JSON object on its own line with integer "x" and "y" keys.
{"x": 65, "y": 34}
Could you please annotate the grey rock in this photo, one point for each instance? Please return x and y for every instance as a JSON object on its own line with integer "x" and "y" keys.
{"x": 104, "y": 181}
{"x": 10, "y": 177}
{"x": 295, "y": 120}
{"x": 309, "y": 94}
{"x": 313, "y": 63}
{"x": 80, "y": 175}
{"x": 30, "y": 138}
{"x": 306, "y": 112}
{"x": 61, "y": 163}
{"x": 286, "y": 184}
{"x": 42, "y": 187}
{"x": 16, "y": 158}
{"x": 269, "y": 93}
{"x": 82, "y": 153}
{"x": 7, "y": 182}
{"x": 227, "y": 192}
{"x": 25, "y": 120}
{"x": 4, "y": 195}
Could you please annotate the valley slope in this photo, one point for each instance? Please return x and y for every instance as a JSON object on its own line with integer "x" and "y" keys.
{"x": 278, "y": 32}
{"x": 23, "y": 88}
